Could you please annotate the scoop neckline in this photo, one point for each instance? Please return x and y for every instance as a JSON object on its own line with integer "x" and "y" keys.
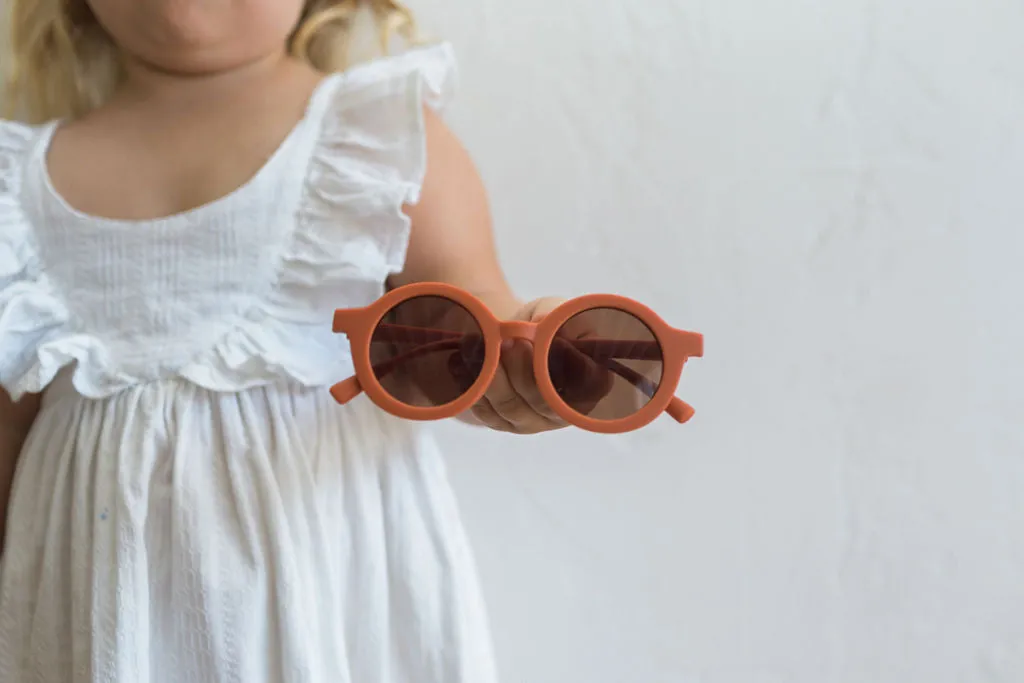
{"x": 212, "y": 207}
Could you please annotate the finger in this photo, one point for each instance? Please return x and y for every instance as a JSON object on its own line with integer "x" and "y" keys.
{"x": 504, "y": 400}
{"x": 488, "y": 417}
{"x": 517, "y": 361}
{"x": 485, "y": 413}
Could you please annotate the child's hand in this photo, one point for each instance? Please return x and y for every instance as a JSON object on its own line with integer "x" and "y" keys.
{"x": 513, "y": 402}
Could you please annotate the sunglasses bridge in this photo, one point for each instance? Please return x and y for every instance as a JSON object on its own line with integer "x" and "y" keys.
{"x": 516, "y": 329}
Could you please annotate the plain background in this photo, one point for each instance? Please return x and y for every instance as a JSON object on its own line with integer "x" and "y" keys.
{"x": 833, "y": 192}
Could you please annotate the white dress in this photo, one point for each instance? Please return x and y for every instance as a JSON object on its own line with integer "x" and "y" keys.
{"x": 191, "y": 505}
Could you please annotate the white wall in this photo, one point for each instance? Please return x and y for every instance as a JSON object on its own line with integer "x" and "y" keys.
{"x": 833, "y": 192}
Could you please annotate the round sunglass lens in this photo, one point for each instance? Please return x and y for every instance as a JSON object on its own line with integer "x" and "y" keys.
{"x": 605, "y": 363}
{"x": 427, "y": 351}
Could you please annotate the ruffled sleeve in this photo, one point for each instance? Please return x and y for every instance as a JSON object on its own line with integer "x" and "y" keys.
{"x": 30, "y": 314}
{"x": 369, "y": 161}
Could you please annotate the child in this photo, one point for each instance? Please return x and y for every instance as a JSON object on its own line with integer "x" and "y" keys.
{"x": 196, "y": 189}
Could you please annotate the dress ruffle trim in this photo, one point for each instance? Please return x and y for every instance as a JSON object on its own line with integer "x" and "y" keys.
{"x": 351, "y": 233}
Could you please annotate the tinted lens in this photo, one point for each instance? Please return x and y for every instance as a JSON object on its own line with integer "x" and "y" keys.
{"x": 427, "y": 351}
{"x": 605, "y": 363}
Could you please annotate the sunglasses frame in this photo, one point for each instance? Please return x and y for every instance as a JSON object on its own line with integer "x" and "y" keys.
{"x": 359, "y": 324}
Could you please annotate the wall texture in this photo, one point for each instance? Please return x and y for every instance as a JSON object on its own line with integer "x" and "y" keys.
{"x": 834, "y": 193}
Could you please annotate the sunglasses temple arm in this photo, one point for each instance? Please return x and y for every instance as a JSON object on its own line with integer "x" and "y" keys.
{"x": 617, "y": 348}
{"x": 627, "y": 373}
{"x": 440, "y": 340}
{"x": 644, "y": 385}
{"x": 345, "y": 391}
{"x": 678, "y": 409}
{"x": 443, "y": 344}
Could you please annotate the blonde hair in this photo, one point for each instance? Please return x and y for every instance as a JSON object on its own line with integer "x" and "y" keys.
{"x": 57, "y": 62}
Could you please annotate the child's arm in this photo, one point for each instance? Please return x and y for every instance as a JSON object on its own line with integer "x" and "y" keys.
{"x": 452, "y": 241}
{"x": 15, "y": 422}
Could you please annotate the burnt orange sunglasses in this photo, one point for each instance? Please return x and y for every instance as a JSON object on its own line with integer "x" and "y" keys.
{"x": 601, "y": 362}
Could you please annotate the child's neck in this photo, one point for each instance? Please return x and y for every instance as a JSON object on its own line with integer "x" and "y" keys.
{"x": 152, "y": 84}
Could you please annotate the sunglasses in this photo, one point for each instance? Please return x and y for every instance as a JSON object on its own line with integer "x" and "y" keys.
{"x": 430, "y": 351}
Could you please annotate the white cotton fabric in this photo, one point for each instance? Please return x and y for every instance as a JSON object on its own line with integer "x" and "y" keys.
{"x": 191, "y": 504}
